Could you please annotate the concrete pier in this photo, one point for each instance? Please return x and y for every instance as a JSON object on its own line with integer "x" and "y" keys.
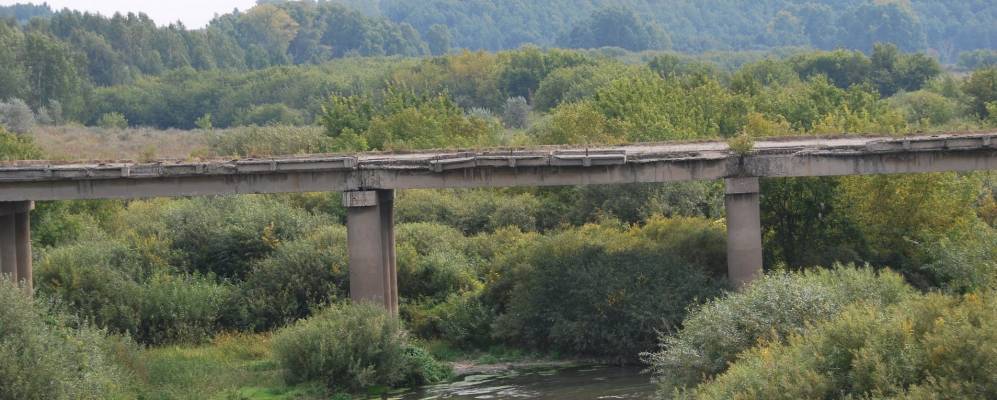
{"x": 744, "y": 232}
{"x": 22, "y": 237}
{"x": 15, "y": 241}
{"x": 370, "y": 231}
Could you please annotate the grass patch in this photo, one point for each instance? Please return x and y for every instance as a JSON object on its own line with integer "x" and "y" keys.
{"x": 233, "y": 366}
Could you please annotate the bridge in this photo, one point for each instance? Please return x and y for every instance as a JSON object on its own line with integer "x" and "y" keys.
{"x": 368, "y": 182}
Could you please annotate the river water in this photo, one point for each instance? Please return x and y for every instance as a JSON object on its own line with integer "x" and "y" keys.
{"x": 579, "y": 383}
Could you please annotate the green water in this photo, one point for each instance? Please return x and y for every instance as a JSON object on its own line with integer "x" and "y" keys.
{"x": 560, "y": 384}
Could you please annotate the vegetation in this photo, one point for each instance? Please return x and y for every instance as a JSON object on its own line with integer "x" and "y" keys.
{"x": 42, "y": 356}
{"x": 246, "y": 297}
{"x": 926, "y": 347}
{"x": 353, "y": 347}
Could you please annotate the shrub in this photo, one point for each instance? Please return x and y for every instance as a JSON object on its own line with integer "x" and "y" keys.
{"x": 299, "y": 277}
{"x": 462, "y": 319}
{"x": 351, "y": 347}
{"x": 471, "y": 211}
{"x": 600, "y": 290}
{"x": 270, "y": 114}
{"x": 96, "y": 281}
{"x": 14, "y": 147}
{"x": 16, "y": 116}
{"x": 981, "y": 87}
{"x": 41, "y": 357}
{"x": 112, "y": 120}
{"x": 926, "y": 107}
{"x": 180, "y": 310}
{"x": 259, "y": 141}
{"x": 107, "y": 283}
{"x": 770, "y": 309}
{"x": 928, "y": 347}
{"x": 516, "y": 113}
{"x": 224, "y": 235}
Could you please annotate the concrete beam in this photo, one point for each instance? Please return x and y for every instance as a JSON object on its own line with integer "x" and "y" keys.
{"x": 744, "y": 231}
{"x": 547, "y": 166}
{"x": 371, "y": 242}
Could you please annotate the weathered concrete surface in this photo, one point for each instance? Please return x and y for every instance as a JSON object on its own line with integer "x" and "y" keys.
{"x": 744, "y": 230}
{"x": 15, "y": 242}
{"x": 8, "y": 247}
{"x": 547, "y": 166}
{"x": 22, "y": 238}
{"x": 371, "y": 241}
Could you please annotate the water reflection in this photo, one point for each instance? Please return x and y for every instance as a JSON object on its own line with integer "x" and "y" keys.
{"x": 560, "y": 384}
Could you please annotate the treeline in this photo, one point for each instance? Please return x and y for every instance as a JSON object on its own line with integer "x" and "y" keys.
{"x": 119, "y": 49}
{"x": 944, "y": 27}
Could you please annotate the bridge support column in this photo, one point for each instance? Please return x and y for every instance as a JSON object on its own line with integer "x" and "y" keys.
{"x": 370, "y": 232}
{"x": 15, "y": 242}
{"x": 744, "y": 231}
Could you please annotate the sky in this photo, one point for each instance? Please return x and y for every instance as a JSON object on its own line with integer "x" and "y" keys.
{"x": 193, "y": 13}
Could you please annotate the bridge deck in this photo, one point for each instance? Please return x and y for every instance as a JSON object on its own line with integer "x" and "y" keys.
{"x": 543, "y": 166}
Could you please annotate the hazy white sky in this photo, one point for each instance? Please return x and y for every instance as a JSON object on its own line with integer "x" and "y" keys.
{"x": 193, "y": 13}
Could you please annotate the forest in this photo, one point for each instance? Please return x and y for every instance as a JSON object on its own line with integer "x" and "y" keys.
{"x": 879, "y": 286}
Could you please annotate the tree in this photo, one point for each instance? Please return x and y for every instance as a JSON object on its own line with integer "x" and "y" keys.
{"x": 889, "y": 22}
{"x": 982, "y": 89}
{"x": 52, "y": 72}
{"x": 16, "y": 116}
{"x": 893, "y": 71}
{"x": 439, "y": 39}
{"x": 616, "y": 27}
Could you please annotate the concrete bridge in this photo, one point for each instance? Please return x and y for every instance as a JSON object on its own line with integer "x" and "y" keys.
{"x": 368, "y": 182}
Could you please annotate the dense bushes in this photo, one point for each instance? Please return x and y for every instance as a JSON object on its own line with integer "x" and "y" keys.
{"x": 107, "y": 284}
{"x": 352, "y": 346}
{"x": 223, "y": 235}
{"x": 771, "y": 309}
{"x": 601, "y": 290}
{"x": 42, "y": 357}
{"x": 928, "y": 347}
{"x": 298, "y": 278}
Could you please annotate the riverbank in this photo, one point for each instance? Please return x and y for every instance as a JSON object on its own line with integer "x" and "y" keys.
{"x": 241, "y": 366}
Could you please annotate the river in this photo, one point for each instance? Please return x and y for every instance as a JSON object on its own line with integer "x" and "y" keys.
{"x": 577, "y": 383}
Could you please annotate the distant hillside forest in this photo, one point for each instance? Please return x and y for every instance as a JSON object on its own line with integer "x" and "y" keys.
{"x": 65, "y": 55}
{"x": 277, "y": 32}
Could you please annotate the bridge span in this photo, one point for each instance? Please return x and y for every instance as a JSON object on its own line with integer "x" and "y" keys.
{"x": 368, "y": 181}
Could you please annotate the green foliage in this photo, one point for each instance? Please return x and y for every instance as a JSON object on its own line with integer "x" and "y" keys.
{"x": 977, "y": 59}
{"x": 223, "y": 235}
{"x": 470, "y": 211}
{"x": 109, "y": 285}
{"x": 352, "y": 347}
{"x": 403, "y": 120}
{"x": 771, "y": 310}
{"x": 982, "y": 90}
{"x": 569, "y": 85}
{"x": 930, "y": 346}
{"x": 262, "y": 141}
{"x": 899, "y": 215}
{"x": 16, "y": 116}
{"x": 270, "y": 114}
{"x": 431, "y": 262}
{"x": 204, "y": 122}
{"x": 741, "y": 144}
{"x": 928, "y": 108}
{"x": 180, "y": 310}
{"x": 112, "y": 120}
{"x": 516, "y": 114}
{"x": 600, "y": 290}
{"x": 42, "y": 357}
{"x": 299, "y": 277}
{"x": 615, "y": 27}
{"x": 17, "y": 147}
